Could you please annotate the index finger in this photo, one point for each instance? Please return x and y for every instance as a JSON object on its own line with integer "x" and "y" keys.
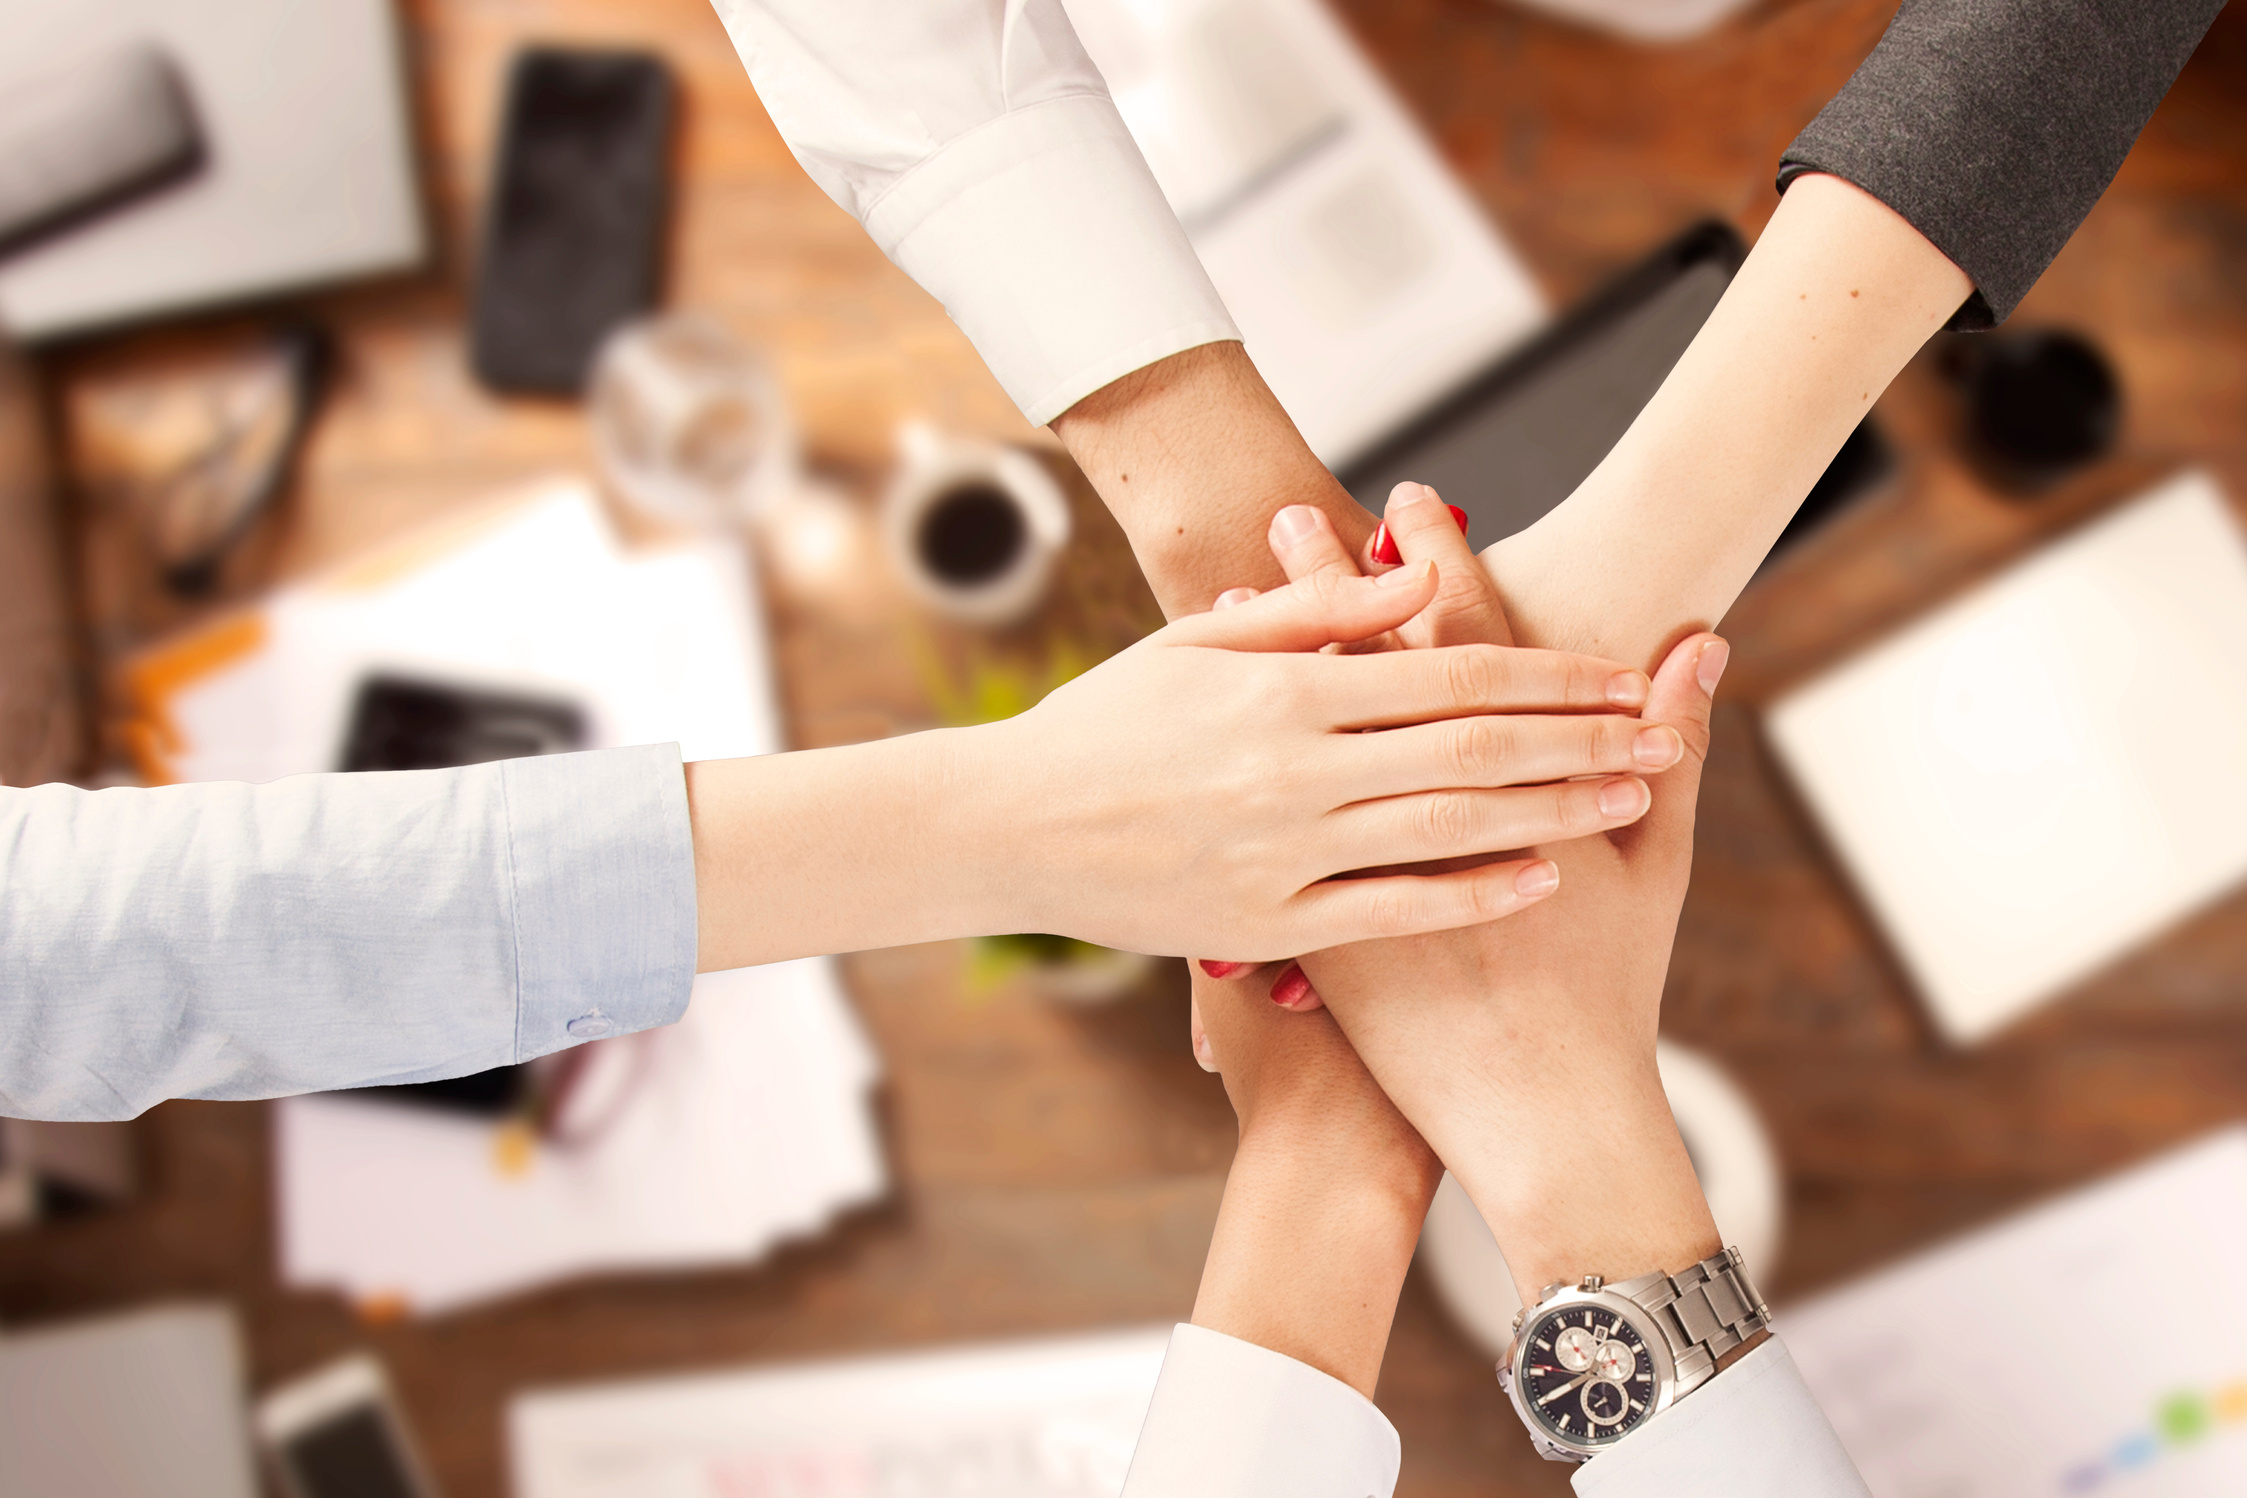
{"x": 1452, "y": 681}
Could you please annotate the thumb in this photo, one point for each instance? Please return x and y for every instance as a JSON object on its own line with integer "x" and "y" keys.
{"x": 1327, "y": 609}
{"x": 1682, "y": 694}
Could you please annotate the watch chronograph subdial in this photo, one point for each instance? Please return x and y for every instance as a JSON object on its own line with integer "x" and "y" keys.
{"x": 1614, "y": 1362}
{"x": 1604, "y": 1403}
{"x": 1575, "y": 1347}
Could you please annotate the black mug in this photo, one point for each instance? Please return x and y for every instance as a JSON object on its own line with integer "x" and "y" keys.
{"x": 2039, "y": 404}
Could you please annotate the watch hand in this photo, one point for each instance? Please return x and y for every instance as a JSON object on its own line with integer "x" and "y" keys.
{"x": 1564, "y": 1388}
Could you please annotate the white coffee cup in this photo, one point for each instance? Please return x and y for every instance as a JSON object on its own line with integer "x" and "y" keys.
{"x": 972, "y": 527}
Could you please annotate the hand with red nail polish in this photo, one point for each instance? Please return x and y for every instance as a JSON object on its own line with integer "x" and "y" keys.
{"x": 1256, "y": 771}
{"x": 1446, "y": 1022}
{"x": 1203, "y": 791}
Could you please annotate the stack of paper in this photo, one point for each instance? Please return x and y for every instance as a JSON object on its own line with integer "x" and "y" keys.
{"x": 1043, "y": 1419}
{"x": 2096, "y": 1345}
{"x": 708, "y": 1143}
{"x": 746, "y": 1124}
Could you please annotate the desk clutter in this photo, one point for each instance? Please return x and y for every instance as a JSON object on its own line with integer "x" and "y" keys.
{"x": 2013, "y": 784}
{"x": 526, "y": 628}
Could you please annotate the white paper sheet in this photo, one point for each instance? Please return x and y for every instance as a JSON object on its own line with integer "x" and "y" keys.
{"x": 2095, "y": 1345}
{"x": 1053, "y": 1418}
{"x": 2045, "y": 772}
{"x": 1366, "y": 281}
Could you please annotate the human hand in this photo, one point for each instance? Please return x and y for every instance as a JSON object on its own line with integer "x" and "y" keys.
{"x": 1524, "y": 1052}
{"x": 1254, "y": 769}
{"x": 1326, "y": 1194}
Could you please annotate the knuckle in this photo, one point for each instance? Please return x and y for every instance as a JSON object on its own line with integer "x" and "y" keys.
{"x": 1390, "y": 912}
{"x": 1488, "y": 899}
{"x": 1576, "y": 807}
{"x": 1609, "y": 745}
{"x": 1481, "y": 750}
{"x": 1447, "y": 819}
{"x": 1473, "y": 676}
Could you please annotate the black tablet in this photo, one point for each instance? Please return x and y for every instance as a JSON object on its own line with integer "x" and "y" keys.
{"x": 1516, "y": 439}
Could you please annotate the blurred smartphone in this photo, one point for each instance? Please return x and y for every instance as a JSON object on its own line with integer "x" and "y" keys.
{"x": 573, "y": 234}
{"x": 337, "y": 1434}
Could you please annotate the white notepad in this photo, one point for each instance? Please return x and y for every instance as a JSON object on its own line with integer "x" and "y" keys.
{"x": 2046, "y": 772}
{"x": 2097, "y": 1344}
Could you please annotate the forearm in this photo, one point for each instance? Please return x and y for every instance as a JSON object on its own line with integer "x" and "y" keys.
{"x": 1194, "y": 456}
{"x": 838, "y": 850}
{"x": 1836, "y": 297}
{"x": 1312, "y": 1243}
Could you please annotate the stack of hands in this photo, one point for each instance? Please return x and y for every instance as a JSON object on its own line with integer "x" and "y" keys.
{"x": 1518, "y": 1051}
{"x": 1432, "y": 880}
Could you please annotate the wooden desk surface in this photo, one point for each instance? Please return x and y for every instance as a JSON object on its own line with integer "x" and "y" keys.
{"x": 1061, "y": 1169}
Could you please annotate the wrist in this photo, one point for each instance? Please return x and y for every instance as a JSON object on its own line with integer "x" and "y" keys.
{"x": 1564, "y": 1201}
{"x": 1311, "y": 1248}
{"x": 1194, "y": 456}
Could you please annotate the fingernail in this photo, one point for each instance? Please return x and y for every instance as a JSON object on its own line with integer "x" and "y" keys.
{"x": 1537, "y": 880}
{"x": 1714, "y": 657}
{"x": 1403, "y": 576}
{"x": 1627, "y": 689}
{"x": 1221, "y": 969}
{"x": 1409, "y": 493}
{"x": 1658, "y": 747}
{"x": 1624, "y": 798}
{"x": 1202, "y": 1052}
{"x": 1385, "y": 545}
{"x": 1231, "y": 596}
{"x": 1459, "y": 518}
{"x": 1295, "y": 524}
{"x": 1291, "y": 987}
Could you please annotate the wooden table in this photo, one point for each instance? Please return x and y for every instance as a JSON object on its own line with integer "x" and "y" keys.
{"x": 1058, "y": 1168}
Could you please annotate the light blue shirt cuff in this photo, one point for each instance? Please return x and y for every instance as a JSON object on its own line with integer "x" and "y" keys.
{"x": 602, "y": 861}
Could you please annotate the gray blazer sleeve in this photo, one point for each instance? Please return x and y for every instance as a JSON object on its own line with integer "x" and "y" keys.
{"x": 1994, "y": 125}
{"x": 239, "y": 941}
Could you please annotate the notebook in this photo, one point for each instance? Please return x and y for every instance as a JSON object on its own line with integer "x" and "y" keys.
{"x": 2044, "y": 773}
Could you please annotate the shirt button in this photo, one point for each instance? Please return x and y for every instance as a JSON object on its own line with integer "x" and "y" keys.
{"x": 590, "y": 1026}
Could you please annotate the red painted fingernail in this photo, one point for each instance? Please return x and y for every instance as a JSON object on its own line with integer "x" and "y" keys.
{"x": 1221, "y": 969}
{"x": 1291, "y": 988}
{"x": 1460, "y": 516}
{"x": 1385, "y": 546}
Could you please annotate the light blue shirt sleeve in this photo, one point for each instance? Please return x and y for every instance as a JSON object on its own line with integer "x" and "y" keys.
{"x": 237, "y": 941}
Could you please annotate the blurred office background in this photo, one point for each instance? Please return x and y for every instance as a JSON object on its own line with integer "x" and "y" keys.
{"x": 330, "y": 439}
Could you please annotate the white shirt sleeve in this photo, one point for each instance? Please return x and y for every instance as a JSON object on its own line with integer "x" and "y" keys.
{"x": 1753, "y": 1431}
{"x": 1234, "y": 1420}
{"x": 977, "y": 143}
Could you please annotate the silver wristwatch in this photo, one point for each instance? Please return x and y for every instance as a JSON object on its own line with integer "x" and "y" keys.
{"x": 1591, "y": 1362}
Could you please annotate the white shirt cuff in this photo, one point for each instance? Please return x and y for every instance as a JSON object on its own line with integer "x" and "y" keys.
{"x": 1044, "y": 235}
{"x": 1753, "y": 1431}
{"x": 1234, "y": 1420}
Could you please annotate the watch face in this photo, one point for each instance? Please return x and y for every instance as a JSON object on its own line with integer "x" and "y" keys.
{"x": 1586, "y": 1375}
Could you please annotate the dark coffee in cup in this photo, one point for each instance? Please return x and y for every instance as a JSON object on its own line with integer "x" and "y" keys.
{"x": 971, "y": 533}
